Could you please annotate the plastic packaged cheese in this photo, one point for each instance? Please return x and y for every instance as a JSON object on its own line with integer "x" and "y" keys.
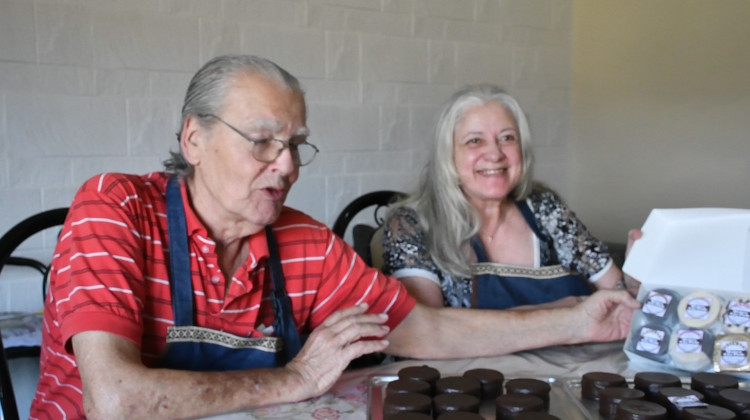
{"x": 694, "y": 268}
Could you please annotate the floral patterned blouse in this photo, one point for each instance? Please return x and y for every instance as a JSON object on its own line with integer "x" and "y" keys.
{"x": 568, "y": 243}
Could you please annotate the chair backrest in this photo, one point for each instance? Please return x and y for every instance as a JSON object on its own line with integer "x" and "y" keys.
{"x": 362, "y": 233}
{"x": 25, "y": 229}
{"x": 9, "y": 242}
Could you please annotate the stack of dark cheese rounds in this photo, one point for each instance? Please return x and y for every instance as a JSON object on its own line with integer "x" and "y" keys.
{"x": 610, "y": 398}
{"x": 406, "y": 402}
{"x": 676, "y": 399}
{"x": 509, "y": 406}
{"x": 528, "y": 386}
{"x": 651, "y": 382}
{"x": 737, "y": 400}
{"x": 452, "y": 397}
{"x": 411, "y": 393}
{"x": 490, "y": 380}
{"x": 456, "y": 394}
{"x": 660, "y": 395}
{"x": 592, "y": 383}
{"x": 713, "y": 412}
{"x": 709, "y": 384}
{"x": 640, "y": 410}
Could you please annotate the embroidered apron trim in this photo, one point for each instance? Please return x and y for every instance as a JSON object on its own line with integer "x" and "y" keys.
{"x": 201, "y": 334}
{"x": 552, "y": 271}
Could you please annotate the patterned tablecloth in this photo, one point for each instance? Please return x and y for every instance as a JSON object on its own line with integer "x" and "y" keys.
{"x": 21, "y": 329}
{"x": 347, "y": 400}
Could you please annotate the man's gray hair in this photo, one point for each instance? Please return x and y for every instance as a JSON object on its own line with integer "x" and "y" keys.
{"x": 210, "y": 86}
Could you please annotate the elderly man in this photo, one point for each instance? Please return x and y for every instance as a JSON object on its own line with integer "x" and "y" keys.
{"x": 191, "y": 292}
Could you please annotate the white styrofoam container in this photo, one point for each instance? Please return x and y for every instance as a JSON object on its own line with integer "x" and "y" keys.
{"x": 694, "y": 248}
{"x": 687, "y": 250}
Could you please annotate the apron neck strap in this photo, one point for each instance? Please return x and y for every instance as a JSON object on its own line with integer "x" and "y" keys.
{"x": 284, "y": 325}
{"x": 528, "y": 215}
{"x": 180, "y": 283}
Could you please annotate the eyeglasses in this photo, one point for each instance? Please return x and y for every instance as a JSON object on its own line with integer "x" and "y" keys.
{"x": 268, "y": 150}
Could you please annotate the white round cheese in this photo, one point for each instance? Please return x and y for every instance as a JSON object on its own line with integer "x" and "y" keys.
{"x": 699, "y": 309}
{"x": 689, "y": 349}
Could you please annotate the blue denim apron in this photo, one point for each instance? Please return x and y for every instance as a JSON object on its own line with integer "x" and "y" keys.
{"x": 502, "y": 286}
{"x": 202, "y": 349}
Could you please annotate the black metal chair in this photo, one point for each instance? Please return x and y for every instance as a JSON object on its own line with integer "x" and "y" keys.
{"x": 9, "y": 242}
{"x": 24, "y": 230}
{"x": 362, "y": 233}
{"x": 7, "y": 396}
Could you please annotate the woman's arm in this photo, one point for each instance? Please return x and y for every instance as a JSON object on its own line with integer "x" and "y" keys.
{"x": 405, "y": 250}
{"x": 424, "y": 290}
{"x": 575, "y": 247}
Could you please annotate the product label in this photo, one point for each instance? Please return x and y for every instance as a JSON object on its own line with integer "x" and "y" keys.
{"x": 734, "y": 352}
{"x": 650, "y": 340}
{"x": 738, "y": 313}
{"x": 689, "y": 341}
{"x": 687, "y": 401}
{"x": 656, "y": 304}
{"x": 698, "y": 308}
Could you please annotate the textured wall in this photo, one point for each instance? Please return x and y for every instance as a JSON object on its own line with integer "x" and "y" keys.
{"x": 661, "y": 107}
{"x": 88, "y": 86}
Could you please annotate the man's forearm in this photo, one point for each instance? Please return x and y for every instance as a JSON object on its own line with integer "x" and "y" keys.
{"x": 455, "y": 332}
{"x": 117, "y": 385}
{"x": 166, "y": 393}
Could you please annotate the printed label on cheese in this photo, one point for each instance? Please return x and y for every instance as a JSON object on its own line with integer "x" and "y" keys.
{"x": 738, "y": 313}
{"x": 689, "y": 341}
{"x": 656, "y": 304}
{"x": 650, "y": 340}
{"x": 687, "y": 401}
{"x": 734, "y": 352}
{"x": 698, "y": 308}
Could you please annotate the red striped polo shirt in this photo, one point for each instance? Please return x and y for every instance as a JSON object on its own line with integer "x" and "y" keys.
{"x": 110, "y": 273}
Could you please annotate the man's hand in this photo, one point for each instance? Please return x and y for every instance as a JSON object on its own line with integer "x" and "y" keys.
{"x": 335, "y": 343}
{"x": 606, "y": 315}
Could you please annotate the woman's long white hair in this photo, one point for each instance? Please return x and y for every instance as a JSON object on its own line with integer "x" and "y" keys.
{"x": 446, "y": 215}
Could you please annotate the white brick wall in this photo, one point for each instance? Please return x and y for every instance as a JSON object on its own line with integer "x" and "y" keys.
{"x": 88, "y": 86}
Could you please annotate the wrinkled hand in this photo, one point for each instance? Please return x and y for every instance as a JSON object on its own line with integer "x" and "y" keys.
{"x": 606, "y": 315}
{"x": 335, "y": 343}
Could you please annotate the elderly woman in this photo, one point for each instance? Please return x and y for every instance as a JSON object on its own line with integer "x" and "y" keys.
{"x": 480, "y": 232}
